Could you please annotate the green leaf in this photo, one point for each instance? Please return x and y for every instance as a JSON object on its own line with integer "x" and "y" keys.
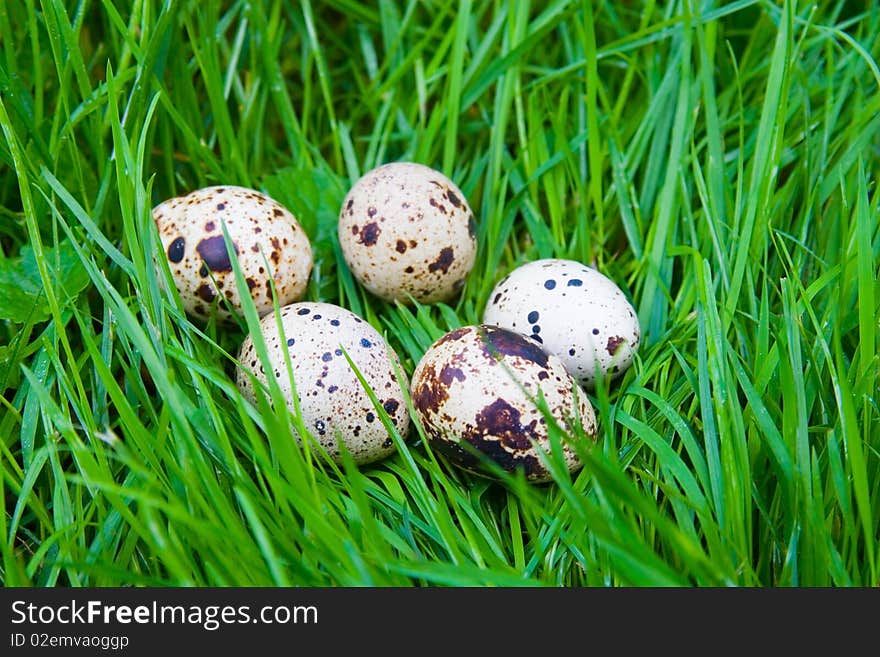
{"x": 314, "y": 195}
{"x": 22, "y": 297}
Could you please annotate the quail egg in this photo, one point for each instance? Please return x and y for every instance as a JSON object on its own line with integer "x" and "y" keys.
{"x": 333, "y": 403}
{"x": 475, "y": 388}
{"x": 268, "y": 240}
{"x": 406, "y": 229}
{"x": 574, "y": 311}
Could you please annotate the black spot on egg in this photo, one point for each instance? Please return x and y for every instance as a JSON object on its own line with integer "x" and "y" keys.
{"x": 213, "y": 252}
{"x": 176, "y": 250}
{"x": 206, "y": 292}
{"x": 370, "y": 234}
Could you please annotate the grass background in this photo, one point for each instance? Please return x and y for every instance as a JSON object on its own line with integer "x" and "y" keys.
{"x": 717, "y": 160}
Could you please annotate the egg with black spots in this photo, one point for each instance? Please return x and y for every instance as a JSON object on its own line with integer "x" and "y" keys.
{"x": 406, "y": 230}
{"x": 574, "y": 311}
{"x": 333, "y": 403}
{"x": 475, "y": 390}
{"x": 269, "y": 243}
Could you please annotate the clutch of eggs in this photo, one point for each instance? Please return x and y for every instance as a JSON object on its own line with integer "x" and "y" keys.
{"x": 270, "y": 245}
{"x": 475, "y": 390}
{"x": 333, "y": 404}
{"x": 574, "y": 312}
{"x": 406, "y": 230}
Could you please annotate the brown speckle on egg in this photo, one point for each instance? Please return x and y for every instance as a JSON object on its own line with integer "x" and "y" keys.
{"x": 444, "y": 260}
{"x": 370, "y": 234}
{"x": 613, "y": 344}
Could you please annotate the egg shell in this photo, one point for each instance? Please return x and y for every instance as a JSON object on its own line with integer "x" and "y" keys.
{"x": 477, "y": 384}
{"x": 268, "y": 239}
{"x": 574, "y": 311}
{"x": 406, "y": 229}
{"x": 331, "y": 398}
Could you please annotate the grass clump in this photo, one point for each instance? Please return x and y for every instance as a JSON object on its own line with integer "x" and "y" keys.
{"x": 717, "y": 160}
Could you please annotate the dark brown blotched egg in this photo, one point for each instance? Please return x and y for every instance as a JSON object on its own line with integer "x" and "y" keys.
{"x": 477, "y": 385}
{"x": 268, "y": 240}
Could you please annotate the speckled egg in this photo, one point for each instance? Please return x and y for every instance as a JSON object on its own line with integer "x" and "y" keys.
{"x": 406, "y": 229}
{"x": 269, "y": 242}
{"x": 574, "y": 311}
{"x": 474, "y": 388}
{"x": 334, "y": 404}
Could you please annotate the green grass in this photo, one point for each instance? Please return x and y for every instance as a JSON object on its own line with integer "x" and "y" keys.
{"x": 719, "y": 161}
